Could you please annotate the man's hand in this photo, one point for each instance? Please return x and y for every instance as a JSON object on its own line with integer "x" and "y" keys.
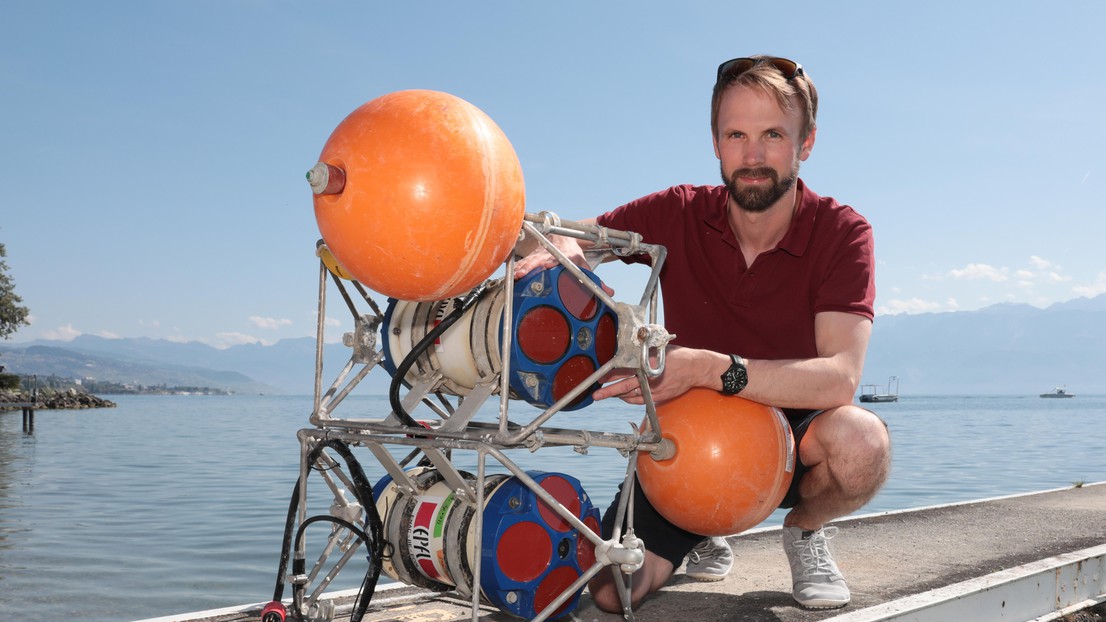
{"x": 572, "y": 248}
{"x": 542, "y": 258}
{"x": 684, "y": 369}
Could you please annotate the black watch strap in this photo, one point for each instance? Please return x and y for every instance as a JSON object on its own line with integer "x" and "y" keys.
{"x": 736, "y": 377}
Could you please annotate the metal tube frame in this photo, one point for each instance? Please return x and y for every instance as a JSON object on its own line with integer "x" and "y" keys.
{"x": 639, "y": 340}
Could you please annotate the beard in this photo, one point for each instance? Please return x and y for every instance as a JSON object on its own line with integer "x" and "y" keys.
{"x": 758, "y": 199}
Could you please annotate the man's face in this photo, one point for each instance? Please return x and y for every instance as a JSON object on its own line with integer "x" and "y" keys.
{"x": 759, "y": 147}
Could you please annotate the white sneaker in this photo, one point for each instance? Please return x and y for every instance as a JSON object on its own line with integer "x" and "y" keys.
{"x": 816, "y": 581}
{"x": 710, "y": 560}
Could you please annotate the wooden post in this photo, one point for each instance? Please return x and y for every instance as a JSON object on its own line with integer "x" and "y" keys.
{"x": 29, "y": 413}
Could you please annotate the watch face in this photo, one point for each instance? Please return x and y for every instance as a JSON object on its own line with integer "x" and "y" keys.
{"x": 735, "y": 378}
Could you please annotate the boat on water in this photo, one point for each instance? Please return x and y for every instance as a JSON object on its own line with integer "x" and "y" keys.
{"x": 1058, "y": 392}
{"x": 870, "y": 393}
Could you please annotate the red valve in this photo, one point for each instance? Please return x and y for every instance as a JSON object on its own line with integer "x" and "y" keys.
{"x": 274, "y": 612}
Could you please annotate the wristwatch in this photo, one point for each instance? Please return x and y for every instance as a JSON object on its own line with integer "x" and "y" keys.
{"x": 736, "y": 377}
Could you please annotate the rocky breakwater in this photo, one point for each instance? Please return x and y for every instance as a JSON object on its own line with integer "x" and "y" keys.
{"x": 55, "y": 400}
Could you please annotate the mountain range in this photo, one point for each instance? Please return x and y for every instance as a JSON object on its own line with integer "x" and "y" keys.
{"x": 1004, "y": 349}
{"x": 286, "y": 367}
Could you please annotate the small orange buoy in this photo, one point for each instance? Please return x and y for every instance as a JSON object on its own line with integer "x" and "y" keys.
{"x": 419, "y": 195}
{"x": 732, "y": 465}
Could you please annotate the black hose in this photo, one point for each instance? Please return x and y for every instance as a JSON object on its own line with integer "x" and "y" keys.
{"x": 286, "y": 542}
{"x": 421, "y": 347}
{"x": 372, "y": 536}
{"x": 368, "y": 585}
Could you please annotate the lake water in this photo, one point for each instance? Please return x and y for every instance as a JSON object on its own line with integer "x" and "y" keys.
{"x": 171, "y": 504}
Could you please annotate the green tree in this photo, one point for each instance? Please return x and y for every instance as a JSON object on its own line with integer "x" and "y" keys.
{"x": 12, "y": 314}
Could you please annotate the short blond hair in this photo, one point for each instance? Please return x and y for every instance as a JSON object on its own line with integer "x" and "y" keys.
{"x": 768, "y": 78}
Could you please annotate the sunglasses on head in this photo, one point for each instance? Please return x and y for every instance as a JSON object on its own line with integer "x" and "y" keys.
{"x": 737, "y": 66}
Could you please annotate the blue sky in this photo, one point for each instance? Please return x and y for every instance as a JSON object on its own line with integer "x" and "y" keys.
{"x": 152, "y": 154}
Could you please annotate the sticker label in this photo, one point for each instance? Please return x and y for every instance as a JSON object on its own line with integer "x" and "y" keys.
{"x": 425, "y": 538}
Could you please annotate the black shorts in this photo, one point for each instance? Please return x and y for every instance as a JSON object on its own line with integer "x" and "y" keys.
{"x": 674, "y": 543}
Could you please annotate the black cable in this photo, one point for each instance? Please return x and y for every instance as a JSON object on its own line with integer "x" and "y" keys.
{"x": 364, "y": 537}
{"x": 286, "y": 542}
{"x": 371, "y": 575}
{"x": 373, "y": 537}
{"x": 421, "y": 347}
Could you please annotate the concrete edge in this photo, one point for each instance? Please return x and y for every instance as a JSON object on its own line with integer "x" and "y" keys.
{"x": 405, "y": 592}
{"x": 856, "y": 517}
{"x": 1039, "y": 591}
{"x": 338, "y": 595}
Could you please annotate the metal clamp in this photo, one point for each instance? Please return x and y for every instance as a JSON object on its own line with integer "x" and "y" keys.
{"x": 653, "y": 336}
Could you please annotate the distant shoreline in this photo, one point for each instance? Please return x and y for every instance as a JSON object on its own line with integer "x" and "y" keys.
{"x": 59, "y": 400}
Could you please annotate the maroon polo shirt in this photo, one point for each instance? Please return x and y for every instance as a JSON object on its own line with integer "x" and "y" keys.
{"x": 712, "y": 300}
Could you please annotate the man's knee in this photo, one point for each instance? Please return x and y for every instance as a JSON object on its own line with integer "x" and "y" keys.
{"x": 856, "y": 446}
{"x": 870, "y": 447}
{"x": 875, "y": 438}
{"x": 860, "y": 429}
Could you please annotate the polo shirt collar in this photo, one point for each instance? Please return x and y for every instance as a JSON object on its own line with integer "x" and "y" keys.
{"x": 796, "y": 239}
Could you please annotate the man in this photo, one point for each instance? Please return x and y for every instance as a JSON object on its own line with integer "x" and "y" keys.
{"x": 761, "y": 268}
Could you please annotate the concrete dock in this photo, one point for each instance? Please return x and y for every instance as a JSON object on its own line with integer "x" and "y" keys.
{"x": 1037, "y": 557}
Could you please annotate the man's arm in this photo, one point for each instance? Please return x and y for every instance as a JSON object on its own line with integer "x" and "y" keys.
{"x": 827, "y": 381}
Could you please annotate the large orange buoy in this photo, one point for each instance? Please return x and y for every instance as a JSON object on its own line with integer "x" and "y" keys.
{"x": 732, "y": 464}
{"x": 419, "y": 195}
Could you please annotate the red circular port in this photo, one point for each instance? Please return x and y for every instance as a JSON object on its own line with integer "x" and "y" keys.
{"x": 565, "y": 494}
{"x": 523, "y": 551}
{"x": 557, "y": 581}
{"x": 574, "y": 371}
{"x": 543, "y": 334}
{"x": 576, "y": 298}
{"x": 585, "y": 550}
{"x": 606, "y": 338}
